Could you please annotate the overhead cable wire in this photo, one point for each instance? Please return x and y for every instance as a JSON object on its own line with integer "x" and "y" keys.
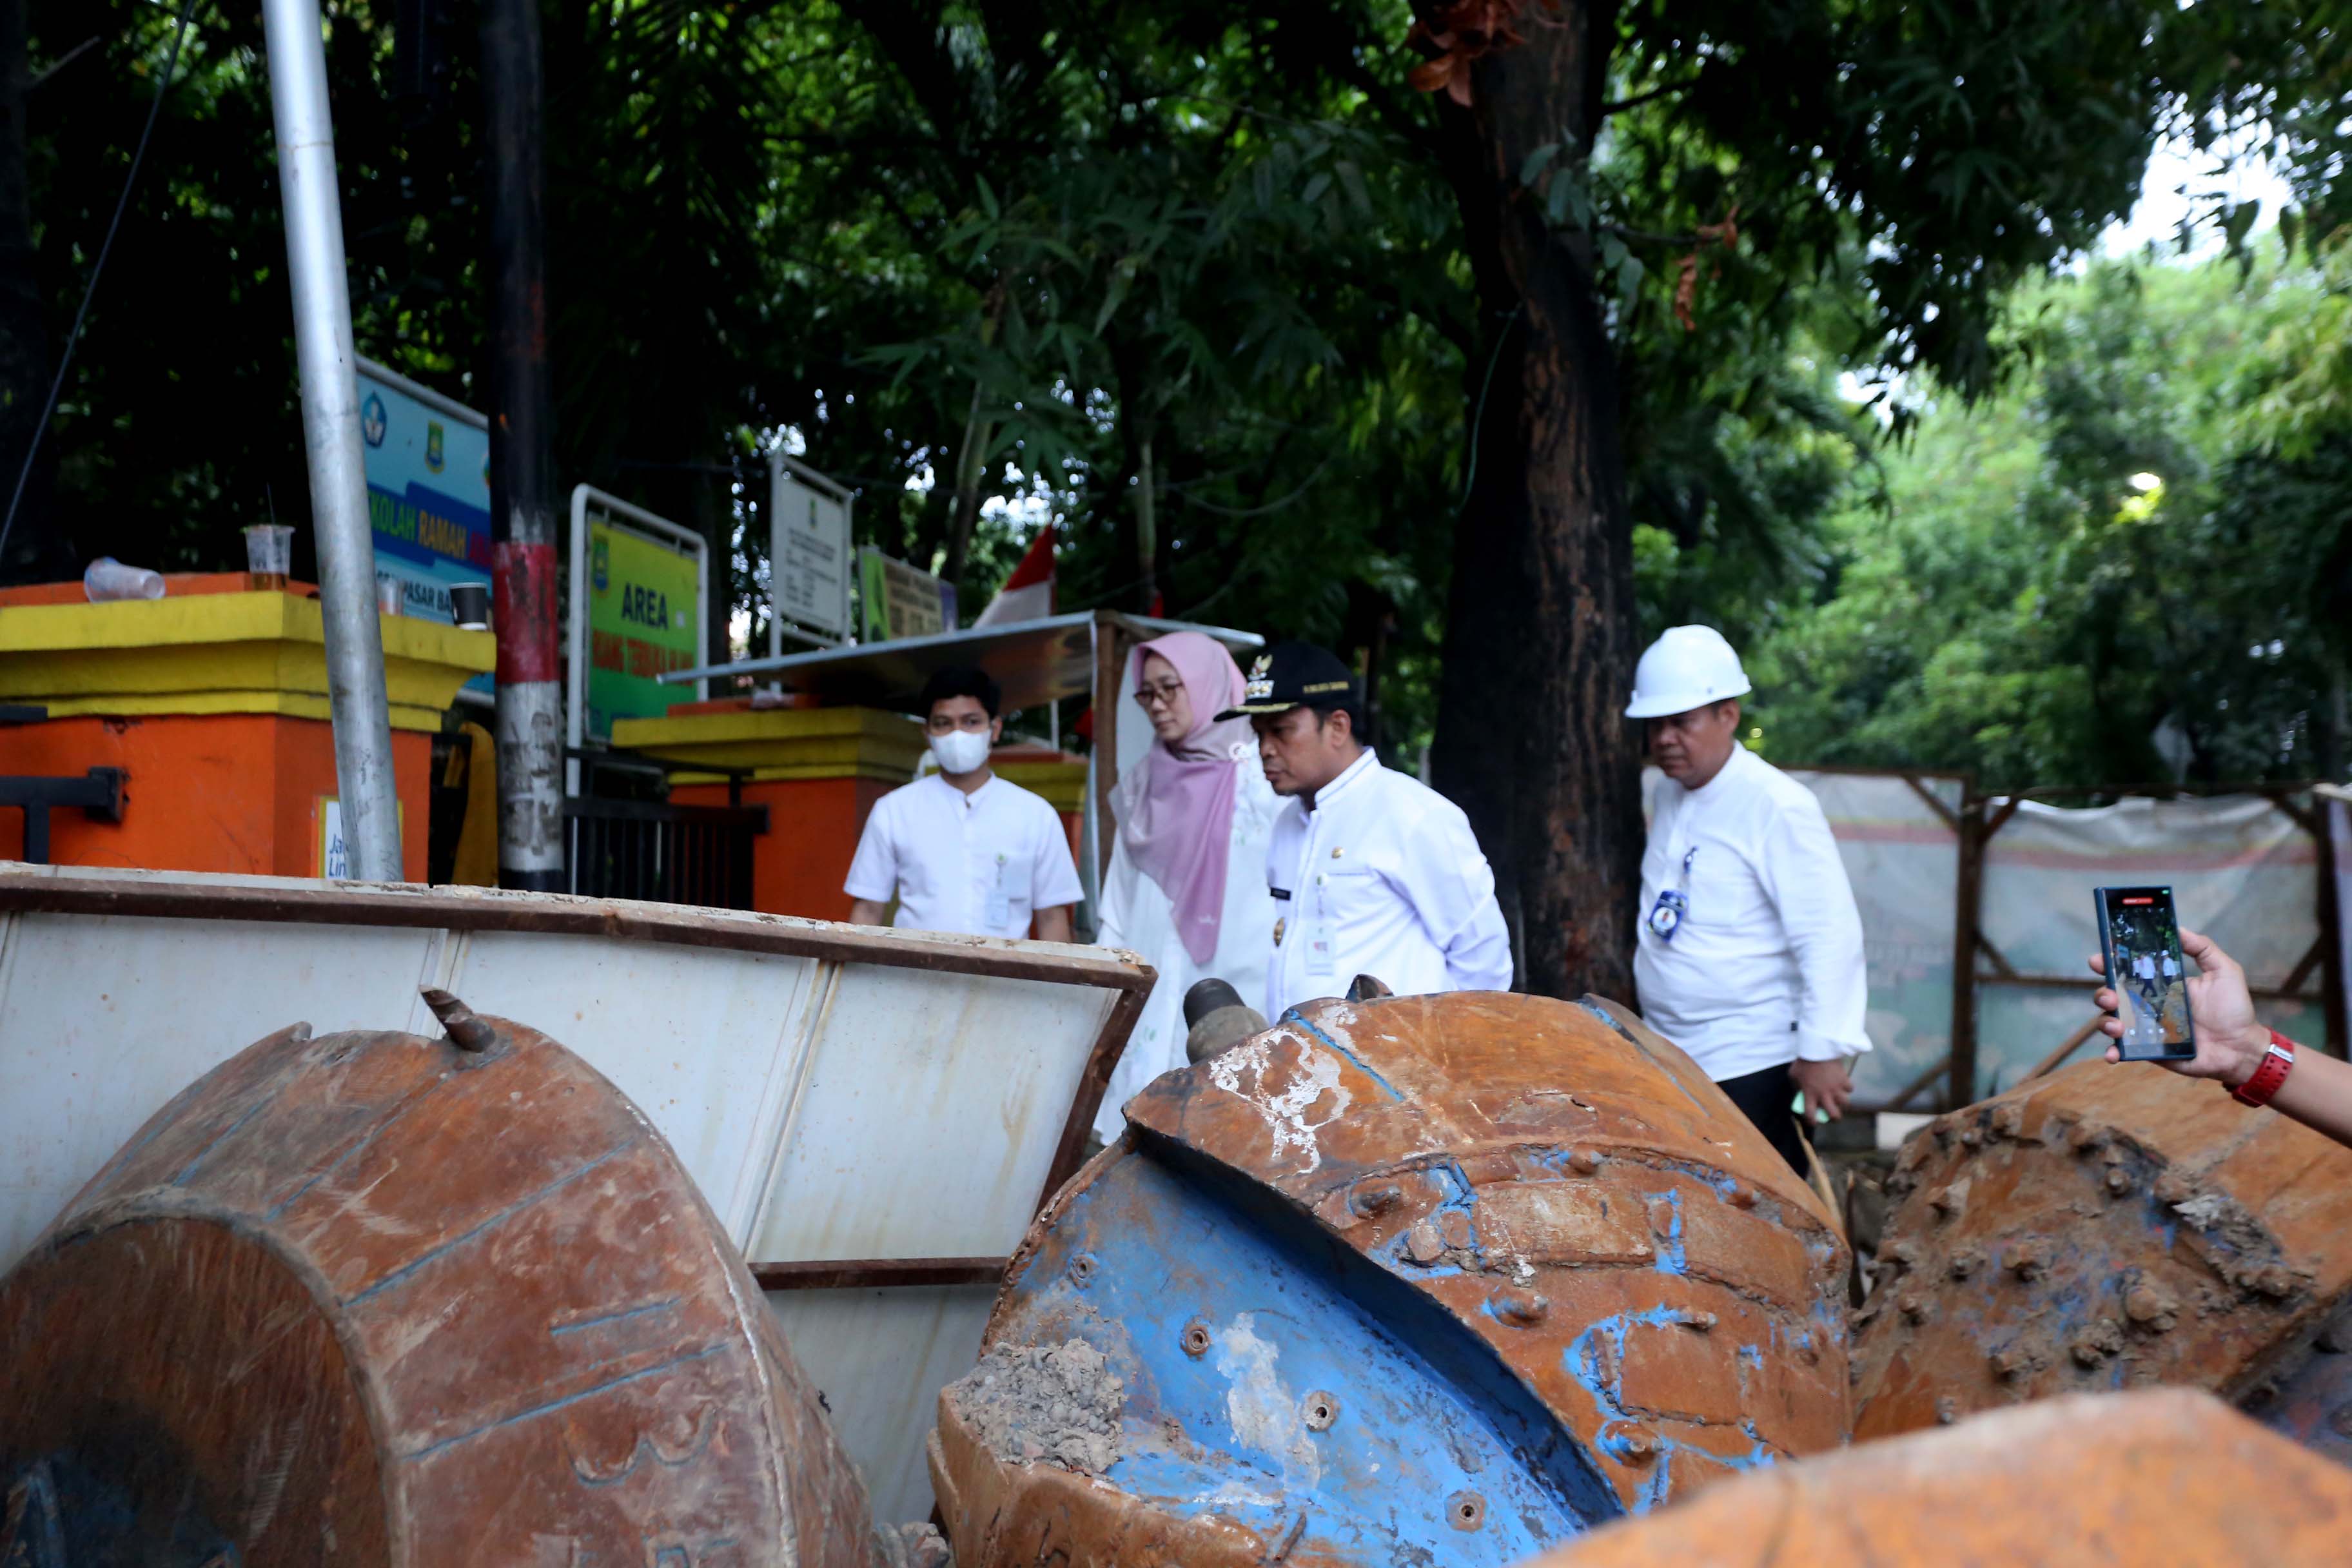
{"x": 65, "y": 359}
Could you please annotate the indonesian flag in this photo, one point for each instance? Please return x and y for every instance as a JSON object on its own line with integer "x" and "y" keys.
{"x": 1028, "y": 594}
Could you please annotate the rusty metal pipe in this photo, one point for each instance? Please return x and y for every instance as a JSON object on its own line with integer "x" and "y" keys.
{"x": 2162, "y": 1477}
{"x": 2111, "y": 1227}
{"x": 1446, "y": 1278}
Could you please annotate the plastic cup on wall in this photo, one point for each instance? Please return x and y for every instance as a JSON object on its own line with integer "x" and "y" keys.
{"x": 470, "y": 605}
{"x": 110, "y": 579}
{"x": 390, "y": 595}
{"x": 269, "y": 547}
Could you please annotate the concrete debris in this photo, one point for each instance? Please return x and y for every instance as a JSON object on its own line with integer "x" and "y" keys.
{"x": 2204, "y": 1211}
{"x": 912, "y": 1546}
{"x": 1057, "y": 1403}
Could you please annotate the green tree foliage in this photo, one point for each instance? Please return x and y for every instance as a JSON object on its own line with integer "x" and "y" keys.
{"x": 1189, "y": 279}
{"x": 2105, "y": 573}
{"x": 1186, "y": 283}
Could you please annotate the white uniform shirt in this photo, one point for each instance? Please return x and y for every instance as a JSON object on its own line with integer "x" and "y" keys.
{"x": 981, "y": 863}
{"x": 1382, "y": 878}
{"x": 1137, "y": 913}
{"x": 1766, "y": 964}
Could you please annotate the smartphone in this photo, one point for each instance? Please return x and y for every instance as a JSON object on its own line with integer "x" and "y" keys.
{"x": 2150, "y": 979}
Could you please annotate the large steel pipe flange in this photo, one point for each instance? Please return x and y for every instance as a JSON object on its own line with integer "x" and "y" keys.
{"x": 2111, "y": 1227}
{"x": 1430, "y": 1278}
{"x": 375, "y": 1299}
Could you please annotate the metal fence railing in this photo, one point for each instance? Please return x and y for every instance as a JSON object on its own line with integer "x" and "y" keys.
{"x": 662, "y": 853}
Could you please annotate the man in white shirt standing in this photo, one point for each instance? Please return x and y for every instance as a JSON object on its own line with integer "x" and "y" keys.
{"x": 961, "y": 850}
{"x": 1373, "y": 872}
{"x": 1750, "y": 955}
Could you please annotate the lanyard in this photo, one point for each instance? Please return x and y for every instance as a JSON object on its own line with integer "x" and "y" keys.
{"x": 1672, "y": 908}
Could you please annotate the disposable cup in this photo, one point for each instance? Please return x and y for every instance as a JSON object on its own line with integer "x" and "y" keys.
{"x": 391, "y": 597}
{"x": 110, "y": 579}
{"x": 270, "y": 547}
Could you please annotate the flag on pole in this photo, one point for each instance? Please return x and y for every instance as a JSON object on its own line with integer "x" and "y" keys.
{"x": 1028, "y": 594}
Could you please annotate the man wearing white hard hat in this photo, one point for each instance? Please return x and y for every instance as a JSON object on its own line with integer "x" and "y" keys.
{"x": 1749, "y": 954}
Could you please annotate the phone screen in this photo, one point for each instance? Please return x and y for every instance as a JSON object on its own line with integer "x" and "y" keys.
{"x": 2146, "y": 972}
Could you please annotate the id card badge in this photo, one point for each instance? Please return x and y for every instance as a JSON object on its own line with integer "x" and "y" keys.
{"x": 999, "y": 900}
{"x": 1666, "y": 915}
{"x": 1318, "y": 936}
{"x": 1672, "y": 908}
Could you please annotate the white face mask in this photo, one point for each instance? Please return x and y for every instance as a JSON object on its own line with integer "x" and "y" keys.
{"x": 960, "y": 750}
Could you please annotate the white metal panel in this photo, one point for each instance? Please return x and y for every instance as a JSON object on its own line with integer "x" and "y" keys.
{"x": 881, "y": 1358}
{"x": 103, "y": 1020}
{"x": 703, "y": 1039}
{"x": 830, "y": 1107}
{"x": 946, "y": 1094}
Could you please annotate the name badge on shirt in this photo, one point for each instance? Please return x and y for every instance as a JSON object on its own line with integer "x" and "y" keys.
{"x": 1317, "y": 934}
{"x": 1666, "y": 915}
{"x": 1672, "y": 908}
{"x": 999, "y": 900}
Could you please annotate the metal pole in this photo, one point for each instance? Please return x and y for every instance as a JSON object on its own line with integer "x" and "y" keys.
{"x": 1967, "y": 909}
{"x": 523, "y": 483}
{"x": 330, "y": 434}
{"x": 2332, "y": 979}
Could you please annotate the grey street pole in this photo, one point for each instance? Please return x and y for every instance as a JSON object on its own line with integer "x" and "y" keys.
{"x": 331, "y": 436}
{"x": 522, "y": 459}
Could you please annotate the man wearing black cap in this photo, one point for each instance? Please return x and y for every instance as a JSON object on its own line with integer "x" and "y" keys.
{"x": 1373, "y": 872}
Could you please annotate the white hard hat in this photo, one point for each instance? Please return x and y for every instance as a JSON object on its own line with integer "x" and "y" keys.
{"x": 1687, "y": 667}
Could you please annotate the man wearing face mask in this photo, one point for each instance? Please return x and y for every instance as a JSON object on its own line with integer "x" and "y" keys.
{"x": 1373, "y": 872}
{"x": 961, "y": 850}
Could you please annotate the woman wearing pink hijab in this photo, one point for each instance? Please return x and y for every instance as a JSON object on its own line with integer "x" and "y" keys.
{"x": 1186, "y": 886}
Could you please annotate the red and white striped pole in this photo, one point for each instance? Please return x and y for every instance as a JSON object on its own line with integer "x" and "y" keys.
{"x": 522, "y": 461}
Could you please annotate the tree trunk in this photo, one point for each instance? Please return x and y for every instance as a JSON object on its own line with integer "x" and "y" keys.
{"x": 971, "y": 469}
{"x": 1147, "y": 532}
{"x": 1541, "y": 627}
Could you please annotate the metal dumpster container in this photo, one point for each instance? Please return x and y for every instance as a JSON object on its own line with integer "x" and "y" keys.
{"x": 873, "y": 1116}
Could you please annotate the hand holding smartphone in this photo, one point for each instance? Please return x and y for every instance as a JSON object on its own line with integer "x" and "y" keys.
{"x": 2140, "y": 937}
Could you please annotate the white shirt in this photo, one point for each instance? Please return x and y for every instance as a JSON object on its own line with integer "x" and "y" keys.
{"x": 1767, "y": 965}
{"x": 1382, "y": 878}
{"x": 1137, "y": 913}
{"x": 981, "y": 863}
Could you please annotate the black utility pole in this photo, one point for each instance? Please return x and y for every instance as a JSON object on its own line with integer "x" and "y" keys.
{"x": 523, "y": 466}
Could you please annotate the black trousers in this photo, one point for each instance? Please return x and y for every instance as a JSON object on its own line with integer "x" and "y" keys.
{"x": 1764, "y": 1097}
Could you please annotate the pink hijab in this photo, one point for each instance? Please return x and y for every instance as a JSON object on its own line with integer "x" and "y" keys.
{"x": 1176, "y": 808}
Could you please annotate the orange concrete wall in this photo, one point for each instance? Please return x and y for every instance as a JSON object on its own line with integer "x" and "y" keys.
{"x": 228, "y": 792}
{"x": 798, "y": 863}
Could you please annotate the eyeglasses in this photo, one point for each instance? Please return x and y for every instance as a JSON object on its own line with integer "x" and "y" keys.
{"x": 1151, "y": 696}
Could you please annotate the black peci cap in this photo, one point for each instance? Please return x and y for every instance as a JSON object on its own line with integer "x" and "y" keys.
{"x": 1294, "y": 675}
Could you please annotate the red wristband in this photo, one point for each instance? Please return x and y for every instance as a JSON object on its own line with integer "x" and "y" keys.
{"x": 2276, "y": 1062}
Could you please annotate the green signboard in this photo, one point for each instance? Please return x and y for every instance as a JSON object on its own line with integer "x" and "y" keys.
{"x": 895, "y": 600}
{"x": 645, "y": 619}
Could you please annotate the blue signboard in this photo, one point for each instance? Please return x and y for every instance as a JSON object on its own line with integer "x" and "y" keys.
{"x": 428, "y": 480}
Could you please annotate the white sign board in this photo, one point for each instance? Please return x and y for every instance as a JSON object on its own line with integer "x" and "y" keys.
{"x": 808, "y": 551}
